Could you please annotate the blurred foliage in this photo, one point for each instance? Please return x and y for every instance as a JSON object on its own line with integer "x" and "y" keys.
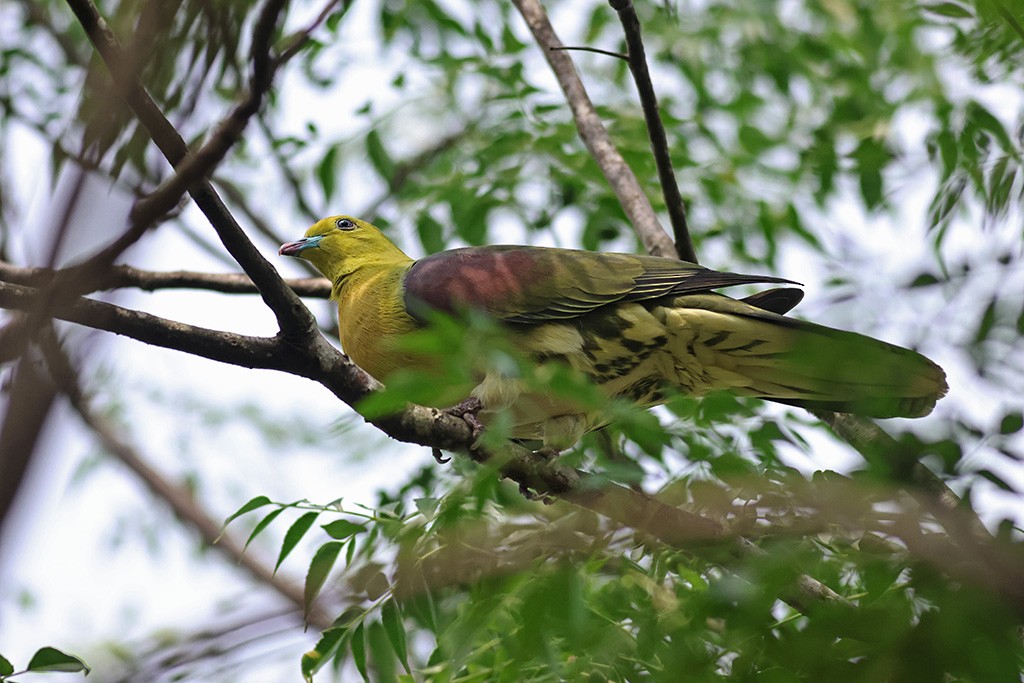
{"x": 784, "y": 119}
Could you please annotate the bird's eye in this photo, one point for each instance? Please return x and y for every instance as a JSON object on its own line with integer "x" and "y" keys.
{"x": 345, "y": 224}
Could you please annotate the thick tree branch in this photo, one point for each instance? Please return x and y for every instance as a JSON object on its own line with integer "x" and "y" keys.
{"x": 655, "y": 128}
{"x": 595, "y": 136}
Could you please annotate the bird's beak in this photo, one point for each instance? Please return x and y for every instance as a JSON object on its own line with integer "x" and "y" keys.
{"x": 293, "y": 248}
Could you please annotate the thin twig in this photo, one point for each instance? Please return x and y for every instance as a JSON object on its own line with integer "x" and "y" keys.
{"x": 876, "y": 445}
{"x": 595, "y": 50}
{"x": 417, "y": 424}
{"x": 121, "y": 276}
{"x": 655, "y": 128}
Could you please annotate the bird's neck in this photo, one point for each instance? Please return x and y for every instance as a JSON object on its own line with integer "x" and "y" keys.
{"x": 355, "y": 273}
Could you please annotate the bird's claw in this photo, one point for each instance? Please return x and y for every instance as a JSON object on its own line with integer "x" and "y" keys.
{"x": 439, "y": 456}
{"x": 468, "y": 409}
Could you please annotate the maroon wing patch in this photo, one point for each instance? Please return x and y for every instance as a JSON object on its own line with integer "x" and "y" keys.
{"x": 534, "y": 284}
{"x": 492, "y": 279}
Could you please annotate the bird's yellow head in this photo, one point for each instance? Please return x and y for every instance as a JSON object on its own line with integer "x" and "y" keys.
{"x": 340, "y": 245}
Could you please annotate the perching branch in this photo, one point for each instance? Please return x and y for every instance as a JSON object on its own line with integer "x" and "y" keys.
{"x": 655, "y": 128}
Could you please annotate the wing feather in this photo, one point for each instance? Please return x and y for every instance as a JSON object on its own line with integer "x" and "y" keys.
{"x": 536, "y": 284}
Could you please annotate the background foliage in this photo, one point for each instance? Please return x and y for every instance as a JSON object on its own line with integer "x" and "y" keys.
{"x": 873, "y": 152}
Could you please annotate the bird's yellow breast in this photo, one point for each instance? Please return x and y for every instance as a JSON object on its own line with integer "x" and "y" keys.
{"x": 372, "y": 318}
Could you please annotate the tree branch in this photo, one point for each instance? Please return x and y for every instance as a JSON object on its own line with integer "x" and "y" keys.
{"x": 595, "y": 136}
{"x": 655, "y": 128}
{"x": 122, "y": 276}
{"x": 293, "y": 318}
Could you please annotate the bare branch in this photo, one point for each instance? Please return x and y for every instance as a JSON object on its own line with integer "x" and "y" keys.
{"x": 655, "y": 128}
{"x": 121, "y": 276}
{"x": 595, "y": 136}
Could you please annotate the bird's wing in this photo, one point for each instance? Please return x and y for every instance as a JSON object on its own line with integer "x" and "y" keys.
{"x": 536, "y": 284}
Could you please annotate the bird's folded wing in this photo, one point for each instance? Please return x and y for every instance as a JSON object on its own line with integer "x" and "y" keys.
{"x": 536, "y": 284}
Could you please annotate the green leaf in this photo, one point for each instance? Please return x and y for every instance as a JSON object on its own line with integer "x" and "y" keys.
{"x": 255, "y": 503}
{"x": 948, "y": 9}
{"x": 1011, "y": 423}
{"x": 754, "y": 140}
{"x": 325, "y": 650}
{"x": 342, "y": 529}
{"x": 294, "y": 534}
{"x": 359, "y": 650}
{"x": 6, "y": 668}
{"x": 395, "y": 630}
{"x": 379, "y": 157}
{"x": 426, "y": 506}
{"x": 431, "y": 233}
{"x": 319, "y": 568}
{"x": 325, "y": 172}
{"x": 381, "y": 651}
{"x": 263, "y": 524}
{"x": 52, "y": 659}
{"x": 350, "y": 551}
{"x": 987, "y": 322}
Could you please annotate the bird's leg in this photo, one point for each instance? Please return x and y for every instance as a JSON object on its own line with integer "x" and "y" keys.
{"x": 468, "y": 409}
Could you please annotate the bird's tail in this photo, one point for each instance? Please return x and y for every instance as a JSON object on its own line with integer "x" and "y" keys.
{"x": 755, "y": 352}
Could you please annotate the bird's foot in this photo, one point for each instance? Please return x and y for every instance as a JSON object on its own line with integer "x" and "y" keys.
{"x": 469, "y": 409}
{"x": 525, "y": 491}
{"x": 439, "y": 456}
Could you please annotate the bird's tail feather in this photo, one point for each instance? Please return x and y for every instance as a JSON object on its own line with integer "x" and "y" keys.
{"x": 755, "y": 352}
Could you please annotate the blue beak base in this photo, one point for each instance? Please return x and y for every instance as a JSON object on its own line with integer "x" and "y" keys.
{"x": 293, "y": 248}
